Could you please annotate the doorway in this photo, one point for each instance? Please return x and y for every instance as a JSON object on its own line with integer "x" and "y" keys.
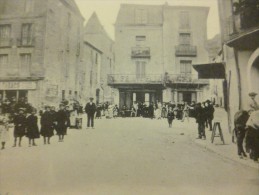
{"x": 187, "y": 97}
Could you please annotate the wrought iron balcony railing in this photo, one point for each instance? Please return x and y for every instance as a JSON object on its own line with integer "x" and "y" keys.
{"x": 135, "y": 79}
{"x": 185, "y": 50}
{"x": 5, "y": 42}
{"x": 184, "y": 78}
{"x": 140, "y": 52}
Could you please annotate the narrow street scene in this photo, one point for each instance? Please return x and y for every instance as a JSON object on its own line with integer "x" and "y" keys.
{"x": 129, "y": 97}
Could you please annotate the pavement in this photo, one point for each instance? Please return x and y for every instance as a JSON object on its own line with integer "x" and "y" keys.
{"x": 127, "y": 156}
{"x": 227, "y": 150}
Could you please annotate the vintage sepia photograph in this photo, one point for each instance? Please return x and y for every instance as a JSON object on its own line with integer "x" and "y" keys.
{"x": 129, "y": 97}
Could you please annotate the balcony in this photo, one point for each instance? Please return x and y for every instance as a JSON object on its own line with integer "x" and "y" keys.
{"x": 172, "y": 79}
{"x": 117, "y": 79}
{"x": 26, "y": 42}
{"x": 140, "y": 52}
{"x": 243, "y": 25}
{"x": 186, "y": 50}
{"x": 5, "y": 42}
{"x": 246, "y": 14}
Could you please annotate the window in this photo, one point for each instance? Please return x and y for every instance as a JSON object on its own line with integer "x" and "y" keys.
{"x": 140, "y": 40}
{"x": 29, "y": 6}
{"x": 184, "y": 20}
{"x": 141, "y": 16}
{"x": 3, "y": 6}
{"x": 5, "y": 34}
{"x": 140, "y": 69}
{"x": 3, "y": 63}
{"x": 185, "y": 38}
{"x": 186, "y": 66}
{"x": 25, "y": 64}
{"x": 27, "y": 34}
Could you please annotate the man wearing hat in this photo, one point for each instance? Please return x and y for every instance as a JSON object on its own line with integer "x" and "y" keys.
{"x": 253, "y": 105}
{"x": 90, "y": 110}
{"x": 209, "y": 112}
{"x": 19, "y": 126}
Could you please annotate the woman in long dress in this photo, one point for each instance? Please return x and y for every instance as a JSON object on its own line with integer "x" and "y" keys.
{"x": 47, "y": 125}
{"x": 62, "y": 123}
{"x": 32, "y": 128}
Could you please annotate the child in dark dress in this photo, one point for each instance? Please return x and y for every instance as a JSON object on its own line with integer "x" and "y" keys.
{"x": 32, "y": 128}
{"x": 170, "y": 116}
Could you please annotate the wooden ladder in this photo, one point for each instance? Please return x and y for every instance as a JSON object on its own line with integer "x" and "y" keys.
{"x": 216, "y": 126}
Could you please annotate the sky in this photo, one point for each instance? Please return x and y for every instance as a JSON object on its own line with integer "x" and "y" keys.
{"x": 107, "y": 11}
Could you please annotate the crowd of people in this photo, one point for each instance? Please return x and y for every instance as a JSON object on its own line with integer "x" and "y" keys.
{"x": 24, "y": 118}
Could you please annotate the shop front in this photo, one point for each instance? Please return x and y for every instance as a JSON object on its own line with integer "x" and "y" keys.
{"x": 16, "y": 89}
{"x": 129, "y": 96}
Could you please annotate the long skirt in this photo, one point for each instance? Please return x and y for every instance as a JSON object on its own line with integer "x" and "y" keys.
{"x": 4, "y": 135}
{"x": 33, "y": 132}
{"x": 61, "y": 129}
{"x": 19, "y": 131}
{"x": 47, "y": 131}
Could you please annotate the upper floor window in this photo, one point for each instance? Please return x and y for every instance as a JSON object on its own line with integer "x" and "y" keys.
{"x": 29, "y": 6}
{"x": 27, "y": 34}
{"x": 141, "y": 16}
{"x": 3, "y": 62}
{"x": 184, "y": 20}
{"x": 25, "y": 64}
{"x": 140, "y": 40}
{"x": 185, "y": 38}
{"x": 140, "y": 69}
{"x": 186, "y": 66}
{"x": 5, "y": 34}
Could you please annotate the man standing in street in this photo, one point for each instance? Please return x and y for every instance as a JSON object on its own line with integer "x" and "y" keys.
{"x": 90, "y": 110}
{"x": 200, "y": 119}
{"x": 209, "y": 111}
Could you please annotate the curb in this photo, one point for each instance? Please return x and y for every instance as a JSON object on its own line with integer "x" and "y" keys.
{"x": 255, "y": 166}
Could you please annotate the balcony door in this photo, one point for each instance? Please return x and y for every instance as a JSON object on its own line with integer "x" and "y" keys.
{"x": 186, "y": 67}
{"x": 27, "y": 34}
{"x": 5, "y": 35}
{"x": 140, "y": 69}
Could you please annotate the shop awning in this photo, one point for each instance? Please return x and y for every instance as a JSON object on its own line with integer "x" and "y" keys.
{"x": 245, "y": 40}
{"x": 210, "y": 71}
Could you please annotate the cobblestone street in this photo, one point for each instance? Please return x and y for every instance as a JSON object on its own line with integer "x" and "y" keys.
{"x": 124, "y": 156}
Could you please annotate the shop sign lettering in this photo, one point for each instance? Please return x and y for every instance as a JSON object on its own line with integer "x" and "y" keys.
{"x": 17, "y": 85}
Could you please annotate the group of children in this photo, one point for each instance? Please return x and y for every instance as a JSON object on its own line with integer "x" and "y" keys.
{"x": 26, "y": 124}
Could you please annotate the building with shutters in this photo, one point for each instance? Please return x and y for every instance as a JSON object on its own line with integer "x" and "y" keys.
{"x": 155, "y": 47}
{"x": 40, "y": 50}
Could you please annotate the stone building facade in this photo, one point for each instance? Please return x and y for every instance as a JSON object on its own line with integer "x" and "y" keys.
{"x": 98, "y": 60}
{"x": 155, "y": 47}
{"x": 40, "y": 50}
